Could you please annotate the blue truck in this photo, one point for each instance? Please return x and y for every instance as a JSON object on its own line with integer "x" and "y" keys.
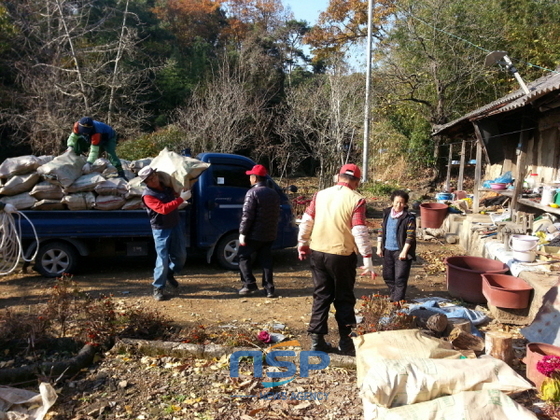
{"x": 211, "y": 220}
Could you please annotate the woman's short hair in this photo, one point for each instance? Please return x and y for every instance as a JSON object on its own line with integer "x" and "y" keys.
{"x": 400, "y": 193}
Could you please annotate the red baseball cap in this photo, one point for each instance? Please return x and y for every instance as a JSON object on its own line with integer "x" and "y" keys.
{"x": 352, "y": 170}
{"x": 258, "y": 170}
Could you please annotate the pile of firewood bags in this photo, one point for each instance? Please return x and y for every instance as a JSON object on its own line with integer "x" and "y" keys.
{"x": 57, "y": 183}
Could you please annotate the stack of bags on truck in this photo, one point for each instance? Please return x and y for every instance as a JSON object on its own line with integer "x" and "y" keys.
{"x": 57, "y": 183}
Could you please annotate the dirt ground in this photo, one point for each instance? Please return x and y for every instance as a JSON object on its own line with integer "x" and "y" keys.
{"x": 133, "y": 385}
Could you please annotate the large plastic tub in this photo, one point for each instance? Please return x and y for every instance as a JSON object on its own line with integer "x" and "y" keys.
{"x": 464, "y": 276}
{"x": 535, "y": 353}
{"x": 432, "y": 215}
{"x": 506, "y": 291}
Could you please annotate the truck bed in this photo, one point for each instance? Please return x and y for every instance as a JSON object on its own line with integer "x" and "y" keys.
{"x": 86, "y": 223}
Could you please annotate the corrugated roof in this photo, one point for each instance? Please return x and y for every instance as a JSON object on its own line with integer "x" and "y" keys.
{"x": 510, "y": 102}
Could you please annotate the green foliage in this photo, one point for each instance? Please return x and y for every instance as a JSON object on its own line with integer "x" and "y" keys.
{"x": 149, "y": 145}
{"x": 378, "y": 189}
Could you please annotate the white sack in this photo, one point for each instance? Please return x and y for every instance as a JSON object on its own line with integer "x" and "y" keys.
{"x": 112, "y": 186}
{"x": 21, "y": 404}
{"x": 100, "y": 165}
{"x": 49, "y": 205}
{"x": 64, "y": 169}
{"x": 20, "y": 201}
{"x": 19, "y": 165}
{"x": 79, "y": 201}
{"x": 133, "y": 204}
{"x": 19, "y": 183}
{"x": 489, "y": 404}
{"x": 136, "y": 165}
{"x": 134, "y": 188}
{"x": 396, "y": 345}
{"x": 85, "y": 183}
{"x": 47, "y": 191}
{"x": 109, "y": 202}
{"x": 183, "y": 170}
{"x": 397, "y": 382}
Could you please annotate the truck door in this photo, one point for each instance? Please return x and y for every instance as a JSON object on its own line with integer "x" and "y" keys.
{"x": 224, "y": 192}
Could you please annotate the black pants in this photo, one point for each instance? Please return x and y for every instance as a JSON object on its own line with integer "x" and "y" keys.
{"x": 334, "y": 277}
{"x": 395, "y": 274}
{"x": 264, "y": 257}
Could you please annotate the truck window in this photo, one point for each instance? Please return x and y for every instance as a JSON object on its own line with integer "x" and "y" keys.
{"x": 230, "y": 176}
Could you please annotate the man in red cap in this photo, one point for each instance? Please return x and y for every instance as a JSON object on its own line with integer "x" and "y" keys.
{"x": 332, "y": 231}
{"x": 257, "y": 232}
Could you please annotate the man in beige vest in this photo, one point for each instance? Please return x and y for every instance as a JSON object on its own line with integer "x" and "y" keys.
{"x": 332, "y": 231}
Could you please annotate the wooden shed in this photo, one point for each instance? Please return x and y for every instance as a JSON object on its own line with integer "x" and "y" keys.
{"x": 519, "y": 133}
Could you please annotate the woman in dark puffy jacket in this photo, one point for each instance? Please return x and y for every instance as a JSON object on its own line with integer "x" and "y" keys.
{"x": 396, "y": 244}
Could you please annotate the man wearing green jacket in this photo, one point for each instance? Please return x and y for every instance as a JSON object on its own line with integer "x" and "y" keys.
{"x": 95, "y": 137}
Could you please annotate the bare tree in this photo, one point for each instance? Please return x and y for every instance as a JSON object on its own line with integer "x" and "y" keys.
{"x": 325, "y": 116}
{"x": 70, "y": 63}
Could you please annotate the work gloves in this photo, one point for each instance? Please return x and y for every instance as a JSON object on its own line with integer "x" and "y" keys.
{"x": 86, "y": 169}
{"x": 241, "y": 239}
{"x": 303, "y": 251}
{"x": 185, "y": 195}
{"x": 368, "y": 268}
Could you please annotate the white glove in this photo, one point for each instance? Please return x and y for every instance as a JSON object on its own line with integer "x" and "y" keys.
{"x": 10, "y": 208}
{"x": 185, "y": 195}
{"x": 368, "y": 268}
{"x": 86, "y": 169}
{"x": 241, "y": 239}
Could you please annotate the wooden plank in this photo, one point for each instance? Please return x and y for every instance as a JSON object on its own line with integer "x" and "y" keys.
{"x": 448, "y": 179}
{"x": 462, "y": 166}
{"x": 477, "y": 171}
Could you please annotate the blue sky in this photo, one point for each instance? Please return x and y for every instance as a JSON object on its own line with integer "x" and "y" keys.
{"x": 307, "y": 9}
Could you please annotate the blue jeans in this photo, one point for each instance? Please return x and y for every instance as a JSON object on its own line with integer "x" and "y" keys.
{"x": 171, "y": 250}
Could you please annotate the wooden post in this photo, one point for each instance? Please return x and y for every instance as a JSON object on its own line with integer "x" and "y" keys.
{"x": 465, "y": 341}
{"x": 477, "y": 170}
{"x": 448, "y": 180}
{"x": 520, "y": 170}
{"x": 499, "y": 344}
{"x": 462, "y": 166}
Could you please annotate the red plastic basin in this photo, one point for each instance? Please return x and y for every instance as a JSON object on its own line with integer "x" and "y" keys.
{"x": 464, "y": 276}
{"x": 506, "y": 291}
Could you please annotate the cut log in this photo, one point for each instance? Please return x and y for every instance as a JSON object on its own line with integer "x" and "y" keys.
{"x": 499, "y": 344}
{"x": 461, "y": 323}
{"x": 437, "y": 323}
{"x": 465, "y": 341}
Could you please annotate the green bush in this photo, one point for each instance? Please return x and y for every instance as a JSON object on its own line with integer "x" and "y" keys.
{"x": 378, "y": 189}
{"x": 149, "y": 145}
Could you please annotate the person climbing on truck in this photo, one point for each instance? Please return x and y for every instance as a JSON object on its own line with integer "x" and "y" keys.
{"x": 162, "y": 205}
{"x": 95, "y": 137}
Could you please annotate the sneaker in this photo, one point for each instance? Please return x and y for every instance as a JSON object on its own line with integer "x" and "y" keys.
{"x": 171, "y": 280}
{"x": 246, "y": 291}
{"x": 158, "y": 294}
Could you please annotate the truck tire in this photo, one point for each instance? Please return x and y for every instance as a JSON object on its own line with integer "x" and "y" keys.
{"x": 226, "y": 251}
{"x": 56, "y": 258}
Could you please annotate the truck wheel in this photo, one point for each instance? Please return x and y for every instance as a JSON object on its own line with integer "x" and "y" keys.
{"x": 226, "y": 251}
{"x": 56, "y": 258}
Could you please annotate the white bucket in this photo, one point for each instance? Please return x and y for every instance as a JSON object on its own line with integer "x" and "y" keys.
{"x": 524, "y": 247}
{"x": 548, "y": 194}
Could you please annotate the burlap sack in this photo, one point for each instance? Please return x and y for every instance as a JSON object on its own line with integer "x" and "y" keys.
{"x": 19, "y": 165}
{"x": 20, "y": 201}
{"x": 19, "y": 183}
{"x": 85, "y": 183}
{"x": 63, "y": 170}
{"x": 79, "y": 201}
{"x": 109, "y": 202}
{"x": 47, "y": 191}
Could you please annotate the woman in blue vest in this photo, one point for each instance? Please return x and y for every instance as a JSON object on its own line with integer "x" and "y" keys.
{"x": 396, "y": 244}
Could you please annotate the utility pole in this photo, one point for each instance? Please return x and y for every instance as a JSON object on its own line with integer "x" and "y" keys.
{"x": 368, "y": 91}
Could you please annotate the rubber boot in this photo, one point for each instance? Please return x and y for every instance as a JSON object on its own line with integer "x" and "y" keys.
{"x": 120, "y": 174}
{"x": 318, "y": 343}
